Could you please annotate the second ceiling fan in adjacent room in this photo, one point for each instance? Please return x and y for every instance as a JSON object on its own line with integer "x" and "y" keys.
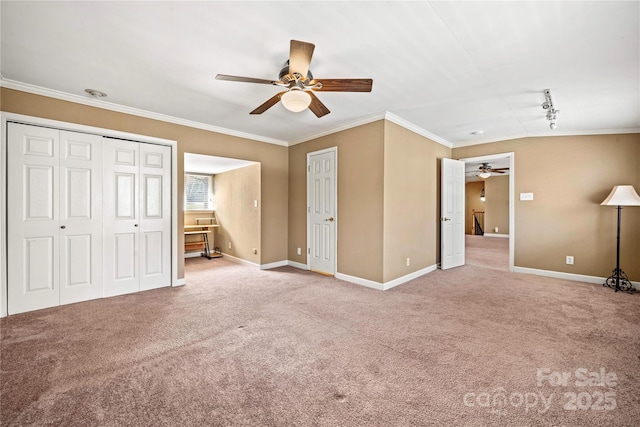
{"x": 485, "y": 171}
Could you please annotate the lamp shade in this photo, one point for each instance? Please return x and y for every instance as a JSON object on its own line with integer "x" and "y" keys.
{"x": 622, "y": 195}
{"x": 484, "y": 175}
{"x": 296, "y": 100}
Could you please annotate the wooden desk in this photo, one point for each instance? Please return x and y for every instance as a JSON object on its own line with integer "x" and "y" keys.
{"x": 203, "y": 230}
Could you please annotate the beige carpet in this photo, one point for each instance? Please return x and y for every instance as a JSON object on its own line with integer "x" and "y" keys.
{"x": 243, "y": 347}
{"x": 487, "y": 252}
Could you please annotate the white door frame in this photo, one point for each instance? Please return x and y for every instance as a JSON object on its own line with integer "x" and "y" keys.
{"x": 6, "y": 117}
{"x": 512, "y": 191}
{"x": 335, "y": 204}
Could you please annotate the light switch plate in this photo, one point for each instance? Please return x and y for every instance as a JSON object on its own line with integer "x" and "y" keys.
{"x": 526, "y": 196}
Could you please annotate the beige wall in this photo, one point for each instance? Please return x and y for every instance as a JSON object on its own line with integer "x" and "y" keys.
{"x": 235, "y": 192}
{"x": 570, "y": 176}
{"x": 360, "y": 199}
{"x": 496, "y": 209}
{"x": 411, "y": 195}
{"x": 388, "y": 200}
{"x": 472, "y": 193}
{"x": 273, "y": 158}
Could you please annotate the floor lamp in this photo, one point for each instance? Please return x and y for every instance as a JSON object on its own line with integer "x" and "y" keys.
{"x": 621, "y": 195}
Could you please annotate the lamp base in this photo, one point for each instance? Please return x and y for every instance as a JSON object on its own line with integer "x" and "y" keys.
{"x": 619, "y": 281}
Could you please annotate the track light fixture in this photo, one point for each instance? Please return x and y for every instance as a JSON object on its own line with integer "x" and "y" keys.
{"x": 551, "y": 111}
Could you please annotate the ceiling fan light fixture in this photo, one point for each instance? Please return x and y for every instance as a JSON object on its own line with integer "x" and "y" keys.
{"x": 484, "y": 175}
{"x": 296, "y": 100}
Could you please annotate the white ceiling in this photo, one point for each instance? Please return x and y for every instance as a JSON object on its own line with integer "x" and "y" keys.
{"x": 444, "y": 68}
{"x": 200, "y": 163}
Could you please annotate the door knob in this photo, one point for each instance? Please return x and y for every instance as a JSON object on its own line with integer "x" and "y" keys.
{"x": 329, "y": 219}
{"x": 63, "y": 226}
{"x": 445, "y": 219}
{"x": 135, "y": 225}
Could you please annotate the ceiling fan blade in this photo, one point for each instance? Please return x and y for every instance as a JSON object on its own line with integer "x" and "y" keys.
{"x": 317, "y": 107}
{"x": 300, "y": 54}
{"x": 499, "y": 169}
{"x": 496, "y": 171}
{"x": 245, "y": 79}
{"x": 268, "y": 103}
{"x": 344, "y": 85}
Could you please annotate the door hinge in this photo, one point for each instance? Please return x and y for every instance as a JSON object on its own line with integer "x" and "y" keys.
{"x": 308, "y": 209}
{"x": 309, "y": 250}
{"x": 308, "y": 168}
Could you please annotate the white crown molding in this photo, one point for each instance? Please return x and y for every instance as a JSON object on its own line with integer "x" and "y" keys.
{"x": 92, "y": 102}
{"x": 85, "y": 100}
{"x": 374, "y": 118}
{"x": 583, "y": 132}
{"x": 355, "y": 123}
{"x": 417, "y": 129}
{"x": 546, "y": 134}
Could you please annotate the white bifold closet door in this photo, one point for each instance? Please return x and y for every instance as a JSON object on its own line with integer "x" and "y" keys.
{"x": 137, "y": 216}
{"x": 54, "y": 215}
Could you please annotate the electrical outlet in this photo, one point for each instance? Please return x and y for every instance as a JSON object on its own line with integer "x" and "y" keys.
{"x": 229, "y": 244}
{"x": 495, "y": 229}
{"x": 569, "y": 260}
{"x": 299, "y": 251}
{"x": 408, "y": 262}
{"x": 255, "y": 203}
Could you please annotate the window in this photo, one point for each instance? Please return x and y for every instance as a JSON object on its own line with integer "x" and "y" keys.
{"x": 198, "y": 192}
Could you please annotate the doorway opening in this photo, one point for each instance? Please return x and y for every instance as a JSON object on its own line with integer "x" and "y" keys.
{"x": 490, "y": 202}
{"x": 222, "y": 208}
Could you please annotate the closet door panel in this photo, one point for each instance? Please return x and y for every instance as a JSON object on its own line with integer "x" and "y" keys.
{"x": 155, "y": 203}
{"x": 80, "y": 217}
{"x": 33, "y": 218}
{"x": 121, "y": 217}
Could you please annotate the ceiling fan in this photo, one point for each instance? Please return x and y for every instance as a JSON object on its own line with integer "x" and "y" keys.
{"x": 300, "y": 85}
{"x": 485, "y": 171}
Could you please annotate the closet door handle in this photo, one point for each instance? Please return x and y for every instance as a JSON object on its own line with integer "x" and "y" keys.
{"x": 63, "y": 226}
{"x": 135, "y": 225}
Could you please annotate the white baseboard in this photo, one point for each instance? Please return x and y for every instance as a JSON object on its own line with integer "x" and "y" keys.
{"x": 298, "y": 265}
{"x": 274, "y": 265}
{"x": 283, "y": 264}
{"x": 360, "y": 281}
{"x": 386, "y": 285}
{"x": 240, "y": 260}
{"x": 180, "y": 282}
{"x": 192, "y": 254}
{"x": 564, "y": 276}
{"x": 504, "y": 236}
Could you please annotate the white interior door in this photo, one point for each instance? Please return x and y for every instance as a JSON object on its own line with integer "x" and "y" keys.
{"x": 321, "y": 195}
{"x": 452, "y": 214}
{"x": 80, "y": 217}
{"x": 121, "y": 217}
{"x": 155, "y": 215}
{"x": 33, "y": 232}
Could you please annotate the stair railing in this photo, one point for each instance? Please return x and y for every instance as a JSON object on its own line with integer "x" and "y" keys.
{"x": 478, "y": 220}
